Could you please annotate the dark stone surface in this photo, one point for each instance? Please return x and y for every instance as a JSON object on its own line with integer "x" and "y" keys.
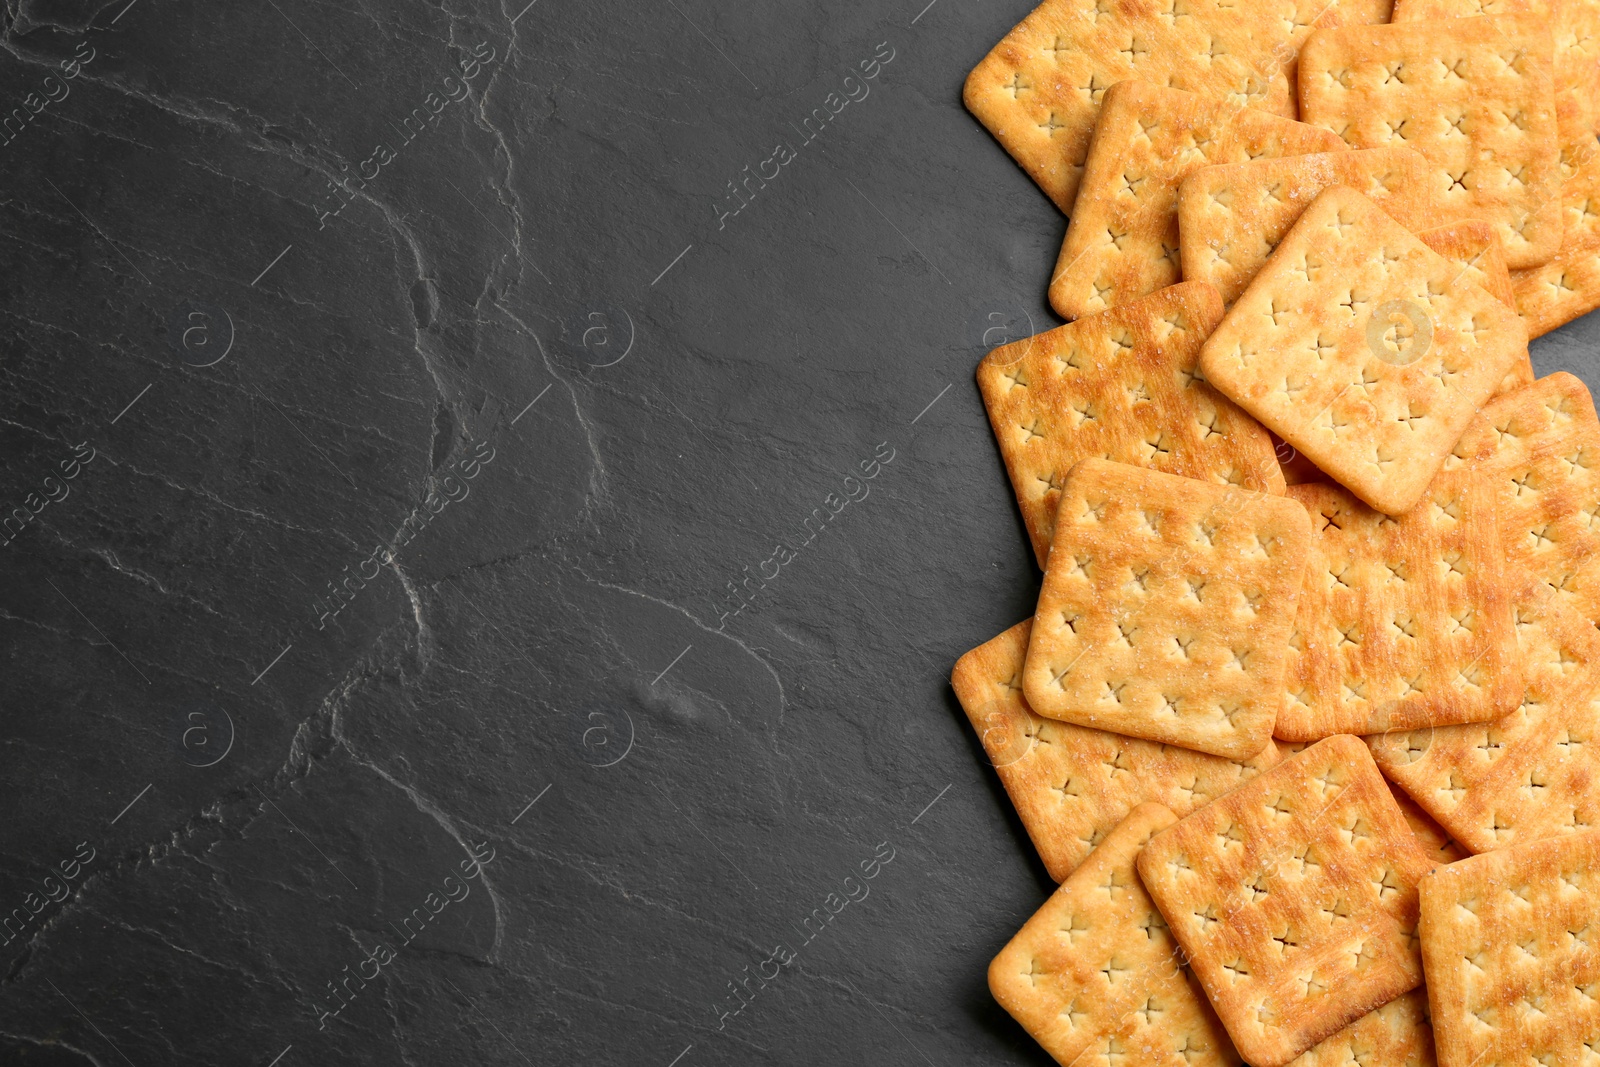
{"x": 267, "y": 795}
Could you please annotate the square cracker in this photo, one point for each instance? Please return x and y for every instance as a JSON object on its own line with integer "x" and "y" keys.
{"x": 1039, "y": 91}
{"x": 1364, "y": 349}
{"x": 1475, "y": 96}
{"x": 1166, "y": 609}
{"x": 1396, "y": 1035}
{"x": 1575, "y": 25}
{"x": 1294, "y": 898}
{"x": 1531, "y": 774}
{"x": 1508, "y": 941}
{"x": 1094, "y": 976}
{"x": 1122, "y": 240}
{"x": 1123, "y": 385}
{"x": 1569, "y": 285}
{"x": 1070, "y": 784}
{"x": 1231, "y": 217}
{"x": 1402, "y": 622}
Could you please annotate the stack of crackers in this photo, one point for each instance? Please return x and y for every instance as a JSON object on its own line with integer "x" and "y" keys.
{"x": 1306, "y": 723}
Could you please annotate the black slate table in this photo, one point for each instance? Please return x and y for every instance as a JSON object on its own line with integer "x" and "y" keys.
{"x": 407, "y": 405}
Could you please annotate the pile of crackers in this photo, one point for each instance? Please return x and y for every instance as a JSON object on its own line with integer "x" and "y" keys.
{"x": 1306, "y": 723}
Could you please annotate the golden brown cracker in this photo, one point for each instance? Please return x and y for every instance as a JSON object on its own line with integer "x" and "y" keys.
{"x": 1094, "y": 976}
{"x": 1541, "y": 446}
{"x": 1396, "y": 1035}
{"x": 1364, "y": 349}
{"x": 1574, "y": 24}
{"x": 1165, "y": 610}
{"x": 1475, "y": 246}
{"x": 1294, "y": 899}
{"x": 1070, "y": 784}
{"x": 1475, "y": 96}
{"x": 1232, "y": 216}
{"x": 1520, "y": 374}
{"x": 1039, "y": 91}
{"x": 1569, "y": 285}
{"x": 1402, "y": 621}
{"x": 1122, "y": 240}
{"x": 1123, "y": 385}
{"x": 1530, "y": 774}
{"x": 1509, "y": 944}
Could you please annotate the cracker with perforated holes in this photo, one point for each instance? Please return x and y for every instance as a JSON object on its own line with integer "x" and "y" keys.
{"x": 1474, "y": 96}
{"x": 1039, "y": 91}
{"x": 1541, "y": 446}
{"x": 1231, "y": 217}
{"x": 1575, "y": 25}
{"x": 1435, "y": 840}
{"x": 1093, "y": 975}
{"x": 1569, "y": 285}
{"x": 1402, "y": 622}
{"x": 1509, "y": 941}
{"x": 1123, "y": 385}
{"x": 1475, "y": 247}
{"x": 1396, "y": 1035}
{"x": 1122, "y": 240}
{"x": 1294, "y": 898}
{"x": 1364, "y": 349}
{"x": 1166, "y": 608}
{"x": 1070, "y": 784}
{"x": 1532, "y": 773}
